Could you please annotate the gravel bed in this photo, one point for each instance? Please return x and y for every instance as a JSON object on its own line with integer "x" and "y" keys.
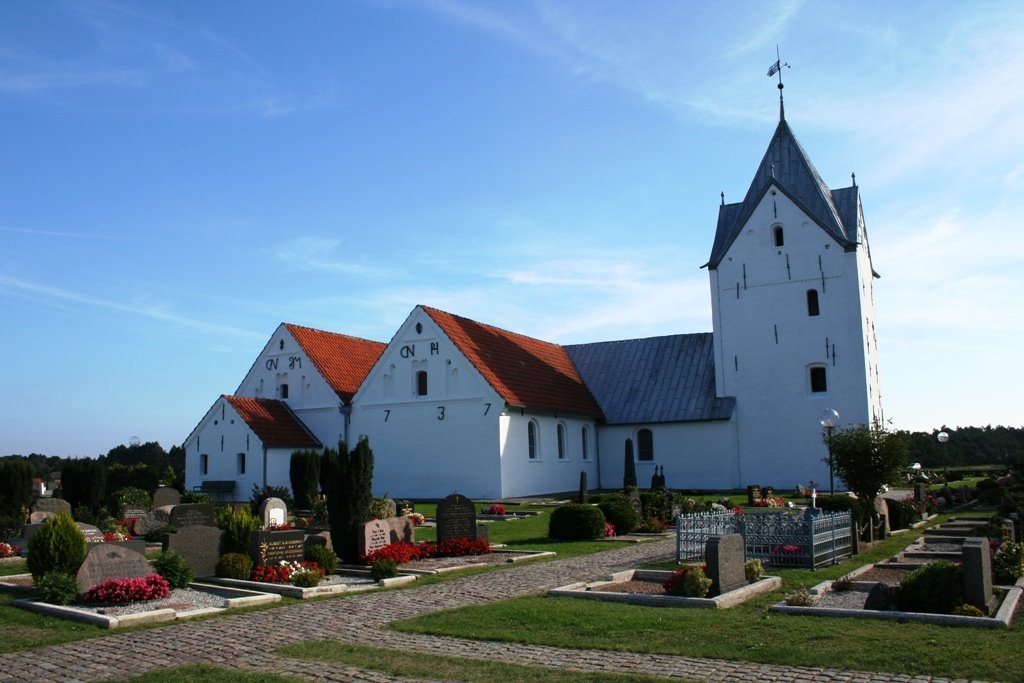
{"x": 180, "y": 599}
{"x": 645, "y": 587}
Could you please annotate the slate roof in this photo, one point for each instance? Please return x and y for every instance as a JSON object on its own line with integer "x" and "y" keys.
{"x": 660, "y": 379}
{"x": 786, "y": 165}
{"x": 524, "y": 371}
{"x": 343, "y": 361}
{"x": 273, "y": 422}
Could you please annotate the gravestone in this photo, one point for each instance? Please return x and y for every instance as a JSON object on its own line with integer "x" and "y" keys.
{"x": 199, "y": 546}
{"x": 635, "y": 502}
{"x": 273, "y": 547}
{"x": 977, "y": 563}
{"x": 965, "y": 493}
{"x": 767, "y": 491}
{"x": 376, "y": 535}
{"x": 163, "y": 513}
{"x": 165, "y": 495}
{"x": 390, "y": 508}
{"x": 273, "y": 513}
{"x": 456, "y": 518}
{"x": 54, "y": 505}
{"x": 584, "y": 495}
{"x": 882, "y": 509}
{"x": 402, "y": 529}
{"x": 30, "y": 531}
{"x": 92, "y": 533}
{"x": 110, "y": 561}
{"x": 147, "y": 523}
{"x": 192, "y": 514}
{"x": 724, "y": 555}
{"x": 40, "y": 516}
{"x": 322, "y": 538}
{"x": 133, "y": 511}
{"x": 136, "y": 544}
{"x": 1007, "y": 527}
{"x": 880, "y": 598}
{"x": 753, "y": 494}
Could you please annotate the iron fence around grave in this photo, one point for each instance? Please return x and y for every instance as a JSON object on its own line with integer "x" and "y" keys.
{"x": 694, "y": 530}
{"x": 778, "y": 540}
{"x": 807, "y": 541}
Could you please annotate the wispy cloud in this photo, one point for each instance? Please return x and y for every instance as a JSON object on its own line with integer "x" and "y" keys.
{"x": 323, "y": 254}
{"x": 53, "y": 233}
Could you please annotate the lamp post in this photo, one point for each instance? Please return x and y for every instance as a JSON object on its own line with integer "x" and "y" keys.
{"x": 829, "y": 419}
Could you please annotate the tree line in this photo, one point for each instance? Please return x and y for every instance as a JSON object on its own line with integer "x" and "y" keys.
{"x": 968, "y": 446}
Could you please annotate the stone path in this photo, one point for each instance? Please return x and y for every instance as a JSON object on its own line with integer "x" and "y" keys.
{"x": 248, "y": 641}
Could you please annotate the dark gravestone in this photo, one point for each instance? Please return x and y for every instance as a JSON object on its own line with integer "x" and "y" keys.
{"x": 273, "y": 513}
{"x": 456, "y": 518}
{"x": 880, "y": 598}
{"x": 165, "y": 495}
{"x": 322, "y": 538}
{"x": 147, "y": 523}
{"x": 402, "y": 529}
{"x": 977, "y": 564}
{"x": 136, "y": 544}
{"x": 768, "y": 491}
{"x": 376, "y": 535}
{"x": 193, "y": 514}
{"x": 54, "y": 505}
{"x": 133, "y": 511}
{"x": 724, "y": 555}
{"x": 110, "y": 561}
{"x": 199, "y": 546}
{"x": 584, "y": 494}
{"x": 273, "y": 547}
{"x": 92, "y": 533}
{"x": 163, "y": 513}
{"x": 481, "y": 532}
{"x": 753, "y": 494}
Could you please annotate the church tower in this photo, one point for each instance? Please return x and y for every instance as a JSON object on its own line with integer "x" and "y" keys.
{"x": 793, "y": 315}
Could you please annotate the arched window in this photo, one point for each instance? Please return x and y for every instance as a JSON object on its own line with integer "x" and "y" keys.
{"x": 421, "y": 383}
{"x": 819, "y": 381}
{"x": 812, "y": 302}
{"x": 561, "y": 441}
{"x": 778, "y": 236}
{"x": 531, "y": 437}
{"x": 585, "y": 440}
{"x": 644, "y": 445}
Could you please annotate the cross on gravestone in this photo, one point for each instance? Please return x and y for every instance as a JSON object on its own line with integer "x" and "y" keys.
{"x": 456, "y": 518}
{"x": 977, "y": 563}
{"x": 110, "y": 561}
{"x": 724, "y": 555}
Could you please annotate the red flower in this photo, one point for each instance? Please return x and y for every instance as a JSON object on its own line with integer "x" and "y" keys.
{"x": 152, "y": 587}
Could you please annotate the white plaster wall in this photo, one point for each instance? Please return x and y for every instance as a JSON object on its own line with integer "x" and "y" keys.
{"x": 222, "y": 435}
{"x": 695, "y": 455}
{"x": 779, "y": 436}
{"x": 521, "y": 476}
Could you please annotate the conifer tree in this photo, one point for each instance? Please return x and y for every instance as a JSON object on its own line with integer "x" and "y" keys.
{"x": 349, "y": 498}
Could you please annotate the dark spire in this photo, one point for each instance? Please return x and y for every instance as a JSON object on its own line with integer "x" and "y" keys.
{"x": 776, "y": 68}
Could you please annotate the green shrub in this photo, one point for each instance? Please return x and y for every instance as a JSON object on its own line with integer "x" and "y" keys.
{"x": 384, "y": 568}
{"x": 15, "y": 487}
{"x": 57, "y": 588}
{"x": 379, "y": 508}
{"x": 323, "y": 556}
{"x": 305, "y": 579}
{"x": 234, "y": 566}
{"x": 83, "y": 483}
{"x": 657, "y": 504}
{"x": 1008, "y": 563}
{"x": 621, "y": 515}
{"x": 349, "y": 496}
{"x": 688, "y": 581}
{"x": 801, "y": 597}
{"x": 173, "y": 568}
{"x": 858, "y": 509}
{"x": 190, "y": 497}
{"x": 238, "y": 526}
{"x": 576, "y": 522}
{"x": 966, "y": 610}
{"x": 304, "y": 474}
{"x": 157, "y": 535}
{"x": 936, "y": 588}
{"x": 132, "y": 496}
{"x": 261, "y": 494}
{"x": 753, "y": 570}
{"x": 57, "y": 546}
{"x": 902, "y": 513}
{"x": 12, "y": 526}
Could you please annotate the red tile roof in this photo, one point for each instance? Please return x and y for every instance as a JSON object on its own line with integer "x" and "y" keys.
{"x": 274, "y": 423}
{"x": 343, "y": 361}
{"x": 524, "y": 371}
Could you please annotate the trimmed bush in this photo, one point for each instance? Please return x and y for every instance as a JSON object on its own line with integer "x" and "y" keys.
{"x": 15, "y": 488}
{"x": 657, "y": 504}
{"x": 936, "y": 588}
{"x": 234, "y": 566}
{"x": 57, "y": 546}
{"x": 1008, "y": 562}
{"x": 689, "y": 581}
{"x": 576, "y": 522}
{"x": 753, "y": 570}
{"x": 323, "y": 556}
{"x": 238, "y": 526}
{"x": 173, "y": 568}
{"x": 622, "y": 516}
{"x": 858, "y": 509}
{"x": 304, "y": 474}
{"x": 384, "y": 568}
{"x": 132, "y": 496}
{"x": 348, "y": 501}
{"x": 902, "y": 513}
{"x": 57, "y": 588}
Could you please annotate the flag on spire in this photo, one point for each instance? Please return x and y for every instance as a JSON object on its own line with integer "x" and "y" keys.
{"x": 774, "y": 68}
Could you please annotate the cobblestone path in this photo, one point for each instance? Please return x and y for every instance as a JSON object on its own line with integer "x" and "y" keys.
{"x": 248, "y": 641}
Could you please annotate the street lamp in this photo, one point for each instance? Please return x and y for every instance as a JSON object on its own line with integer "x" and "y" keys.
{"x": 829, "y": 420}
{"x": 943, "y": 437}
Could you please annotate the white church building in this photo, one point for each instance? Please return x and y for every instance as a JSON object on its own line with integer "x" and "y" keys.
{"x": 451, "y": 404}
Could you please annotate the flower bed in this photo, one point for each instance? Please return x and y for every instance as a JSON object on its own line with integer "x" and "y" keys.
{"x": 403, "y": 553}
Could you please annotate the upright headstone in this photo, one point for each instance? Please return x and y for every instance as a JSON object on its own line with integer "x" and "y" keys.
{"x": 977, "y": 562}
{"x": 192, "y": 514}
{"x": 456, "y": 518}
{"x": 724, "y": 555}
{"x": 584, "y": 494}
{"x": 402, "y": 529}
{"x": 273, "y": 513}
{"x": 376, "y": 535}
{"x": 110, "y": 561}
{"x": 54, "y": 505}
{"x": 272, "y": 547}
{"x": 198, "y": 545}
{"x": 753, "y": 494}
{"x": 165, "y": 495}
{"x": 39, "y": 516}
{"x": 147, "y": 524}
{"x": 129, "y": 511}
{"x": 634, "y": 500}
{"x": 91, "y": 532}
{"x": 767, "y": 491}
{"x": 882, "y": 510}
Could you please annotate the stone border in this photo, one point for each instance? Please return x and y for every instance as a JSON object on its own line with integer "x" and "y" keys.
{"x": 291, "y": 591}
{"x": 513, "y": 556}
{"x": 584, "y": 589}
{"x": 245, "y": 598}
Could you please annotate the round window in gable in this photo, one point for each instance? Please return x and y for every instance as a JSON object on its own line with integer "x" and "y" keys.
{"x": 419, "y": 328}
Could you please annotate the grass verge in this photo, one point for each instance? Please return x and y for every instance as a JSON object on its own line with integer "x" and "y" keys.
{"x": 414, "y": 664}
{"x": 203, "y": 673}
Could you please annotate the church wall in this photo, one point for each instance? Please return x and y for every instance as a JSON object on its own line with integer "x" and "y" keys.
{"x": 547, "y": 472}
{"x": 766, "y": 342}
{"x": 695, "y": 455}
{"x": 232, "y": 450}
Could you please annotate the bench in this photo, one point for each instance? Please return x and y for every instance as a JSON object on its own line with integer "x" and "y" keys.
{"x": 216, "y": 487}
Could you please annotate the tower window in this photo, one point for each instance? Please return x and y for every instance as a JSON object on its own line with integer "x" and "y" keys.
{"x": 585, "y": 434}
{"x": 777, "y": 236}
{"x": 421, "y": 383}
{"x": 812, "y": 302}
{"x": 561, "y": 442}
{"x": 645, "y": 445}
{"x": 531, "y": 437}
{"x": 819, "y": 383}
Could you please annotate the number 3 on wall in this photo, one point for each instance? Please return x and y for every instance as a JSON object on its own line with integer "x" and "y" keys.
{"x": 440, "y": 412}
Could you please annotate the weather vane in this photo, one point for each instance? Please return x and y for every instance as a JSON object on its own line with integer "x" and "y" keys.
{"x": 776, "y": 68}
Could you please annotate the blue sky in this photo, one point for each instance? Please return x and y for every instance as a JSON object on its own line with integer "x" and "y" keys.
{"x": 182, "y": 177}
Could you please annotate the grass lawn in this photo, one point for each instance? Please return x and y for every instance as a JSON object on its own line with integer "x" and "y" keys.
{"x": 444, "y": 668}
{"x": 204, "y": 673}
{"x": 7, "y": 569}
{"x": 748, "y": 632}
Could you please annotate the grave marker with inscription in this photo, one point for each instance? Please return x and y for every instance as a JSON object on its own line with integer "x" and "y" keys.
{"x": 456, "y": 518}
{"x": 376, "y": 535}
{"x": 273, "y": 547}
{"x": 725, "y": 560}
{"x": 199, "y": 546}
{"x": 110, "y": 561}
{"x": 273, "y": 513}
{"x": 54, "y": 505}
{"x": 192, "y": 514}
{"x": 977, "y": 563}
{"x": 165, "y": 495}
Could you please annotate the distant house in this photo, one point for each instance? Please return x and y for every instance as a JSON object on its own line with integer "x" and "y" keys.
{"x": 452, "y": 404}
{"x": 38, "y": 486}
